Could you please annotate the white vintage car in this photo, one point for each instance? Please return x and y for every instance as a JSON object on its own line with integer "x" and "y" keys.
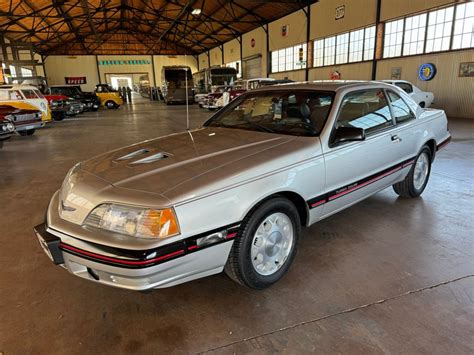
{"x": 234, "y": 194}
{"x": 422, "y": 98}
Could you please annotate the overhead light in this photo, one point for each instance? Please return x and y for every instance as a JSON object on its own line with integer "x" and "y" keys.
{"x": 196, "y": 12}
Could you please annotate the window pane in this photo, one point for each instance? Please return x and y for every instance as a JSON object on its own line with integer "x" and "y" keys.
{"x": 400, "y": 109}
{"x": 369, "y": 43}
{"x": 356, "y": 46}
{"x": 342, "y": 48}
{"x": 464, "y": 26}
{"x": 289, "y": 58}
{"x": 274, "y": 62}
{"x": 440, "y": 23}
{"x": 415, "y": 28}
{"x": 366, "y": 109}
{"x": 329, "y": 50}
{"x": 319, "y": 53}
{"x": 393, "y": 39}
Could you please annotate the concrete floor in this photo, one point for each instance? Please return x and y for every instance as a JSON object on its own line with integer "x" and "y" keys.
{"x": 386, "y": 276}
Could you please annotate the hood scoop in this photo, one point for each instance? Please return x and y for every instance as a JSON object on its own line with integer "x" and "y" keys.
{"x": 151, "y": 158}
{"x": 133, "y": 154}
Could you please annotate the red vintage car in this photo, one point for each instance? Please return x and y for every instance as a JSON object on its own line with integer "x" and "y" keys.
{"x": 62, "y": 106}
{"x": 7, "y": 128}
{"x": 25, "y": 121}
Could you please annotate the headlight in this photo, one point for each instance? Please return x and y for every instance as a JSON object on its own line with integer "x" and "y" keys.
{"x": 134, "y": 221}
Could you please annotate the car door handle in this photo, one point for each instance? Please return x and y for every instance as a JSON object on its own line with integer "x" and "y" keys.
{"x": 396, "y": 139}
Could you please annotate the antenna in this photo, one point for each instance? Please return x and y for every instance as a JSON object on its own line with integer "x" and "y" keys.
{"x": 187, "y": 101}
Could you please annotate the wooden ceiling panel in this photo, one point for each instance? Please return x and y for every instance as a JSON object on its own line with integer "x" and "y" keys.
{"x": 135, "y": 26}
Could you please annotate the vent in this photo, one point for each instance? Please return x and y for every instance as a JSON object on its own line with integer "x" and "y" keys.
{"x": 151, "y": 158}
{"x": 133, "y": 154}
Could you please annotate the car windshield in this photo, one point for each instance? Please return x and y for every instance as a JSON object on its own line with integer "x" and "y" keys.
{"x": 298, "y": 113}
{"x": 67, "y": 91}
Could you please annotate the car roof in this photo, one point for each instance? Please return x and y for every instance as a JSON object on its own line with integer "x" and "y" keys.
{"x": 18, "y": 87}
{"x": 328, "y": 85}
{"x": 395, "y": 81}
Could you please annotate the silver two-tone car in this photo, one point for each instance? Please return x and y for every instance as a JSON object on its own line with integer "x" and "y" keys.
{"x": 234, "y": 194}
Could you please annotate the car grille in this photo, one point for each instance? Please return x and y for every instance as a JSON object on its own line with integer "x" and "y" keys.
{"x": 25, "y": 117}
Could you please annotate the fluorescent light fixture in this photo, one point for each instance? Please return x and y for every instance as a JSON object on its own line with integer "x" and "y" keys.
{"x": 196, "y": 12}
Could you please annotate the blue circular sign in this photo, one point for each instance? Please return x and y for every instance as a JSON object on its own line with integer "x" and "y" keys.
{"x": 427, "y": 71}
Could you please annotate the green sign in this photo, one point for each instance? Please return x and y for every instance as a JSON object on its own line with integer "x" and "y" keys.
{"x": 125, "y": 62}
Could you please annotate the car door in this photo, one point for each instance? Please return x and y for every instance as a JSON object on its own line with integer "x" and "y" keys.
{"x": 355, "y": 170}
{"x": 406, "y": 135}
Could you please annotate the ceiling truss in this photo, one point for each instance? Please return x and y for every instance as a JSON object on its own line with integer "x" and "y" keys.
{"x": 75, "y": 27}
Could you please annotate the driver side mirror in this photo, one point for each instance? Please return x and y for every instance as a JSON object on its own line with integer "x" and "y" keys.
{"x": 348, "y": 134}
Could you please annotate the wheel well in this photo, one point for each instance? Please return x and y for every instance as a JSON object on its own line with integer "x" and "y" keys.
{"x": 432, "y": 145}
{"x": 296, "y": 199}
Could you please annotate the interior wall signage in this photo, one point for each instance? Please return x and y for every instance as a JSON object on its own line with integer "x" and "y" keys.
{"x": 335, "y": 75}
{"x": 252, "y": 42}
{"x": 125, "y": 62}
{"x": 75, "y": 80}
{"x": 427, "y": 71}
{"x": 284, "y": 30}
{"x": 466, "y": 69}
{"x": 340, "y": 12}
{"x": 396, "y": 73}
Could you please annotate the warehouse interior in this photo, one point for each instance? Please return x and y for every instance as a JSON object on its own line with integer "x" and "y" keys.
{"x": 388, "y": 275}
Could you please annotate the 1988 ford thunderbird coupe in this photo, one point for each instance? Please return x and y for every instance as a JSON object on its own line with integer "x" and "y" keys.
{"x": 234, "y": 194}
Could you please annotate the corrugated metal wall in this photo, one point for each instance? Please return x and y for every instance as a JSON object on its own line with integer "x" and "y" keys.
{"x": 452, "y": 93}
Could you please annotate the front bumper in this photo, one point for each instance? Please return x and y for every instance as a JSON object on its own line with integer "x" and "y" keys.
{"x": 165, "y": 266}
{"x": 25, "y": 126}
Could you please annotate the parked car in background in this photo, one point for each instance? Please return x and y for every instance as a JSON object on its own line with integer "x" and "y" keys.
{"x": 108, "y": 96}
{"x": 7, "y": 128}
{"x": 90, "y": 100}
{"x": 234, "y": 194}
{"x": 422, "y": 98}
{"x": 25, "y": 120}
{"x": 63, "y": 106}
{"x": 25, "y": 97}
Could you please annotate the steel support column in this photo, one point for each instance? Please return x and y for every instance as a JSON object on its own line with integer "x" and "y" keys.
{"x": 378, "y": 41}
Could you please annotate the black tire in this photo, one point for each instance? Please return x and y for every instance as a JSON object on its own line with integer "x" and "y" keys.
{"x": 28, "y": 132}
{"x": 422, "y": 104}
{"x": 239, "y": 266}
{"x": 59, "y": 116}
{"x": 111, "y": 105}
{"x": 407, "y": 188}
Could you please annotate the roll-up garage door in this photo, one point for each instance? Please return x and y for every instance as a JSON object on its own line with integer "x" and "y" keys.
{"x": 252, "y": 67}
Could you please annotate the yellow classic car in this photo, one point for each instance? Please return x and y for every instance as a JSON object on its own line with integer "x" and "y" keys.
{"x": 25, "y": 97}
{"x": 108, "y": 96}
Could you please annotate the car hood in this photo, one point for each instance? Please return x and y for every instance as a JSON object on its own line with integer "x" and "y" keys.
{"x": 187, "y": 162}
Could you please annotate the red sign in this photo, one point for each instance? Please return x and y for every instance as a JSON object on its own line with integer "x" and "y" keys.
{"x": 75, "y": 80}
{"x": 335, "y": 75}
{"x": 252, "y": 42}
{"x": 284, "y": 30}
